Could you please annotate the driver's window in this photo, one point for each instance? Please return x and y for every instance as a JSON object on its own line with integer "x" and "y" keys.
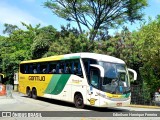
{"x": 95, "y": 78}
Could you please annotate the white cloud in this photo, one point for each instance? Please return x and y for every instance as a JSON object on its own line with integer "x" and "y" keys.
{"x": 13, "y": 15}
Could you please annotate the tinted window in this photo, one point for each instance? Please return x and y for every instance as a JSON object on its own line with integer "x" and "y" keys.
{"x": 87, "y": 63}
{"x": 53, "y": 67}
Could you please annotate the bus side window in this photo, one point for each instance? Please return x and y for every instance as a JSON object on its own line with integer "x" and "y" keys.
{"x": 38, "y": 68}
{"x": 43, "y": 68}
{"x": 86, "y": 66}
{"x": 68, "y": 67}
{"x": 47, "y": 71}
{"x": 22, "y": 68}
{"x": 30, "y": 69}
{"x": 26, "y": 69}
{"x": 87, "y": 63}
{"x": 61, "y": 67}
{"x": 52, "y": 67}
{"x": 76, "y": 66}
{"x": 72, "y": 67}
{"x": 79, "y": 69}
{"x": 34, "y": 68}
{"x": 64, "y": 66}
{"x": 57, "y": 68}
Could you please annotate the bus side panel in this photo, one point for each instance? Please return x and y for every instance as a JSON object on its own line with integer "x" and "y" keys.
{"x": 78, "y": 85}
{"x": 56, "y": 88}
{"x": 22, "y": 83}
{"x": 38, "y": 81}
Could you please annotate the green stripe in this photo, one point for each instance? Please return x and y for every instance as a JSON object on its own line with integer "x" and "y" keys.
{"x": 57, "y": 84}
{"x": 51, "y": 86}
{"x": 61, "y": 83}
{"x": 72, "y": 57}
{"x": 127, "y": 95}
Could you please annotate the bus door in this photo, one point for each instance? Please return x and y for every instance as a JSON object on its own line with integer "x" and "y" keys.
{"x": 93, "y": 98}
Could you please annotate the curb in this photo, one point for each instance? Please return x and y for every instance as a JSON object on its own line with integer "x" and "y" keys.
{"x": 144, "y": 106}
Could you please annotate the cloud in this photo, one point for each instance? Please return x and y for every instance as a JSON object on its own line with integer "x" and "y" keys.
{"x": 13, "y": 15}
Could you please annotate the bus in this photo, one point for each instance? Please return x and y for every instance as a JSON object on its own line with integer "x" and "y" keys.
{"x": 1, "y": 78}
{"x": 80, "y": 78}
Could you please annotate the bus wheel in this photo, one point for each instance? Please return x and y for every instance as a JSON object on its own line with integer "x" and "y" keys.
{"x": 34, "y": 93}
{"x": 78, "y": 101}
{"x": 29, "y": 93}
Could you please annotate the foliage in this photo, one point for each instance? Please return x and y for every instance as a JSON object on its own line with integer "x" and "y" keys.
{"x": 139, "y": 49}
{"x": 42, "y": 41}
{"x": 15, "y": 48}
{"x": 69, "y": 44}
{"x": 9, "y": 29}
{"x": 98, "y": 15}
{"x": 148, "y": 41}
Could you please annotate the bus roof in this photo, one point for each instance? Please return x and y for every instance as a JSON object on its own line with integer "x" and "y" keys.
{"x": 99, "y": 57}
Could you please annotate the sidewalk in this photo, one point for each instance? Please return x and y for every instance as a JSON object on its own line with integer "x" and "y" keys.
{"x": 7, "y": 100}
{"x": 144, "y": 106}
{"x": 12, "y": 98}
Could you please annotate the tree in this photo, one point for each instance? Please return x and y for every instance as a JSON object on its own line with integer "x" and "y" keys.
{"x": 9, "y": 28}
{"x": 69, "y": 44}
{"x": 42, "y": 41}
{"x": 65, "y": 31}
{"x": 97, "y": 15}
{"x": 15, "y": 48}
{"x": 148, "y": 41}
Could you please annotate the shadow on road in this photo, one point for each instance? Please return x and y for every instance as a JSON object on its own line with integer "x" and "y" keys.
{"x": 63, "y": 103}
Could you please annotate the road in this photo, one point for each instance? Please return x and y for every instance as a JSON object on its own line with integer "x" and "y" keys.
{"x": 20, "y": 102}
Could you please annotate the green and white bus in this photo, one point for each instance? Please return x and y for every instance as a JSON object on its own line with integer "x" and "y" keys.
{"x": 81, "y": 78}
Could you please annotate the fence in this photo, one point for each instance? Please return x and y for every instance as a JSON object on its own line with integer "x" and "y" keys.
{"x": 142, "y": 97}
{"x": 9, "y": 90}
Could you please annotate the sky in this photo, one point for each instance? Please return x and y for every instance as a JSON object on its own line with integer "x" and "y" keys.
{"x": 33, "y": 12}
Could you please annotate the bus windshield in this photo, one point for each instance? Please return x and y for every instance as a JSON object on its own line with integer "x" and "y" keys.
{"x": 115, "y": 78}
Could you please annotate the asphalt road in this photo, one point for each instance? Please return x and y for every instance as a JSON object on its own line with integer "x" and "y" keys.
{"x": 21, "y": 103}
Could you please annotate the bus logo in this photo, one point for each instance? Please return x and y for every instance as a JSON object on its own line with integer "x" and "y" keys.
{"x": 92, "y": 101}
{"x": 37, "y": 78}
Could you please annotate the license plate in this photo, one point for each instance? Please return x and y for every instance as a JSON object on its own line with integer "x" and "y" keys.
{"x": 119, "y": 104}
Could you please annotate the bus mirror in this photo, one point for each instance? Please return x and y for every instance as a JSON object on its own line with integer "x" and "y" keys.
{"x": 134, "y": 73}
{"x": 100, "y": 68}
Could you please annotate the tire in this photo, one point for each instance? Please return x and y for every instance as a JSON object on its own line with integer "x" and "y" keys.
{"x": 78, "y": 101}
{"x": 29, "y": 93}
{"x": 34, "y": 93}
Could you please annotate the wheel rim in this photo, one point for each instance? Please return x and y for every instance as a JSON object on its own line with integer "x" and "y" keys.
{"x": 34, "y": 93}
{"x": 79, "y": 101}
{"x": 28, "y": 93}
